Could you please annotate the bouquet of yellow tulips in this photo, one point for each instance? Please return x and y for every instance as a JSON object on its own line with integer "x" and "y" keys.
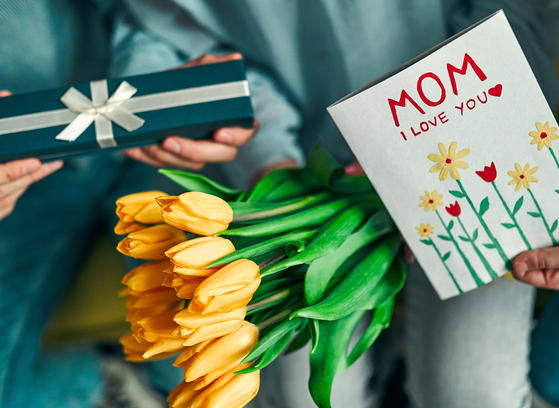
{"x": 236, "y": 278}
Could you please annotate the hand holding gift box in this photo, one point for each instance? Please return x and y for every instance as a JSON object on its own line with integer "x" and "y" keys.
{"x": 100, "y": 112}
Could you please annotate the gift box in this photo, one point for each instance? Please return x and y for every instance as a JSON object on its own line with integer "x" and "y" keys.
{"x": 124, "y": 112}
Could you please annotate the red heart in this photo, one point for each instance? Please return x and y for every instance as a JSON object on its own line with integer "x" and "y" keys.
{"x": 496, "y": 90}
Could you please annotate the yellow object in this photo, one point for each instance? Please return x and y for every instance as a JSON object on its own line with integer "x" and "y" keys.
{"x": 140, "y": 207}
{"x": 151, "y": 242}
{"x": 195, "y": 328}
{"x": 448, "y": 161}
{"x": 425, "y": 230}
{"x": 543, "y": 135}
{"x": 146, "y": 276}
{"x": 431, "y": 200}
{"x": 229, "y": 288}
{"x": 522, "y": 177}
{"x": 198, "y": 253}
{"x": 228, "y": 391}
{"x": 221, "y": 355}
{"x": 196, "y": 212}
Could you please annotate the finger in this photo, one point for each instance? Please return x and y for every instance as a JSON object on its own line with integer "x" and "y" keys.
{"x": 213, "y": 59}
{"x": 4, "y": 93}
{"x": 409, "y": 257}
{"x": 139, "y": 154}
{"x": 354, "y": 169}
{"x": 171, "y": 160}
{"x": 548, "y": 278}
{"x": 22, "y": 183}
{"x": 235, "y": 136}
{"x": 14, "y": 170}
{"x": 537, "y": 259}
{"x": 202, "y": 151}
{"x": 6, "y": 210}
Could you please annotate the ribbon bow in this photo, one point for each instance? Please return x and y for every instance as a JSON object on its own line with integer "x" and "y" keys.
{"x": 100, "y": 110}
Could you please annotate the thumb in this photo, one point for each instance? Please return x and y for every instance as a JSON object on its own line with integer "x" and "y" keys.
{"x": 537, "y": 259}
{"x": 4, "y": 93}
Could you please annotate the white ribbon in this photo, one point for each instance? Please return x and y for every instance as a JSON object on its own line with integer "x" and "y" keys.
{"x": 119, "y": 108}
{"x": 100, "y": 109}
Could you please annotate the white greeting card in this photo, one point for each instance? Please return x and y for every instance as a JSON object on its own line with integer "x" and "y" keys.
{"x": 460, "y": 145}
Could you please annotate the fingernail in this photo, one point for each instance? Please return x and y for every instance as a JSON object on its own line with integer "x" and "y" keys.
{"x": 521, "y": 267}
{"x": 172, "y": 146}
{"x": 224, "y": 136}
{"x": 53, "y": 166}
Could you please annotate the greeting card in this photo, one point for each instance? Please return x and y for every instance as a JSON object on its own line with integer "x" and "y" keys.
{"x": 462, "y": 147}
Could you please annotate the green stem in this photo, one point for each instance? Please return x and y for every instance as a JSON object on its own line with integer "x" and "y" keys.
{"x": 486, "y": 264}
{"x": 554, "y": 157}
{"x": 512, "y": 217}
{"x": 477, "y": 280}
{"x": 498, "y": 247}
{"x": 542, "y": 217}
{"x": 446, "y": 267}
{"x": 274, "y": 319}
{"x": 269, "y": 301}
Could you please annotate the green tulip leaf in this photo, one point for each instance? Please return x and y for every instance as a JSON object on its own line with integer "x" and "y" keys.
{"x": 253, "y": 210}
{"x": 446, "y": 256}
{"x": 322, "y": 269}
{"x": 264, "y": 247}
{"x": 444, "y": 237}
{"x": 311, "y": 217}
{"x": 323, "y": 166}
{"x": 272, "y": 337}
{"x": 484, "y": 206}
{"x": 379, "y": 322}
{"x": 197, "y": 182}
{"x": 534, "y": 214}
{"x": 358, "y": 287}
{"x": 457, "y": 194}
{"x": 508, "y": 225}
{"x": 327, "y": 239}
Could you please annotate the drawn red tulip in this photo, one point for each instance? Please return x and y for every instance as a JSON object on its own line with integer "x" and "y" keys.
{"x": 489, "y": 173}
{"x": 453, "y": 209}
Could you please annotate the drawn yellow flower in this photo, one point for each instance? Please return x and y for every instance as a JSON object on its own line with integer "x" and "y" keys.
{"x": 431, "y": 200}
{"x": 425, "y": 230}
{"x": 543, "y": 135}
{"x": 522, "y": 177}
{"x": 448, "y": 161}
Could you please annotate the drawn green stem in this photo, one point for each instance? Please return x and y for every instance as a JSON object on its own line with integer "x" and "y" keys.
{"x": 542, "y": 217}
{"x": 475, "y": 276}
{"x": 446, "y": 266}
{"x": 554, "y": 157}
{"x": 512, "y": 217}
{"x": 498, "y": 247}
{"x": 486, "y": 264}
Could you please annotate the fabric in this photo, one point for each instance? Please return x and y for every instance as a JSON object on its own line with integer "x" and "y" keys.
{"x": 307, "y": 54}
{"x": 545, "y": 353}
{"x": 471, "y": 350}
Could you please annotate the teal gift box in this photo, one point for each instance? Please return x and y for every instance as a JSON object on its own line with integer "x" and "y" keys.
{"x": 124, "y": 112}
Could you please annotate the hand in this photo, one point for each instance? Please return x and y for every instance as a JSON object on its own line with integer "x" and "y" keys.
{"x": 539, "y": 267}
{"x": 179, "y": 152}
{"x": 16, "y": 176}
{"x": 355, "y": 169}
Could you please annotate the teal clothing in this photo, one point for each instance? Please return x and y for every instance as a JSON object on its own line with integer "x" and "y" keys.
{"x": 49, "y": 43}
{"x": 304, "y": 55}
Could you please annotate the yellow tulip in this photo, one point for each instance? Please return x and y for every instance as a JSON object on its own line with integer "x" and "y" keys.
{"x": 153, "y": 328}
{"x": 198, "y": 253}
{"x": 140, "y": 207}
{"x": 200, "y": 213}
{"x": 146, "y": 276}
{"x": 123, "y": 227}
{"x": 229, "y": 288}
{"x": 163, "y": 347}
{"x": 195, "y": 328}
{"x": 228, "y": 391}
{"x": 151, "y": 242}
{"x": 221, "y": 355}
{"x": 135, "y": 349}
